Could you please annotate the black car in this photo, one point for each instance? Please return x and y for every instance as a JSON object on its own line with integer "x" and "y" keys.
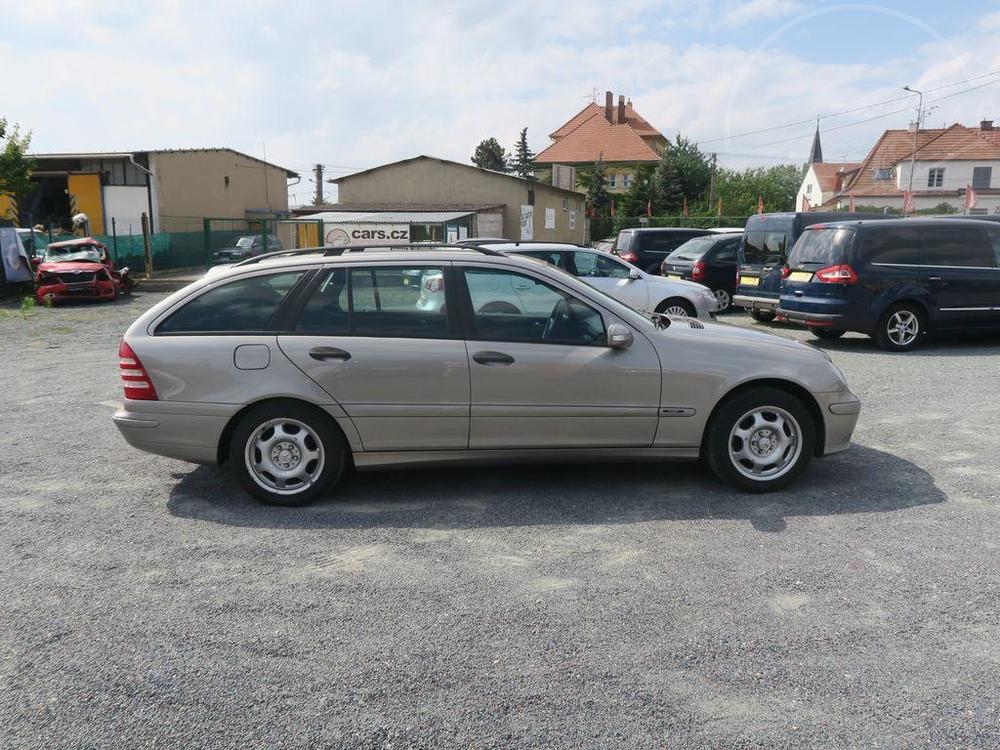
{"x": 710, "y": 260}
{"x": 767, "y": 240}
{"x": 894, "y": 280}
{"x": 646, "y": 248}
{"x": 247, "y": 247}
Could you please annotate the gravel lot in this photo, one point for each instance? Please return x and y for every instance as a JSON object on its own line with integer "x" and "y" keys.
{"x": 149, "y": 603}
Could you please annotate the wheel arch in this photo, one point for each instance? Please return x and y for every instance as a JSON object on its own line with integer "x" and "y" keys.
{"x": 789, "y": 387}
{"x": 222, "y": 450}
{"x": 666, "y": 301}
{"x": 909, "y": 299}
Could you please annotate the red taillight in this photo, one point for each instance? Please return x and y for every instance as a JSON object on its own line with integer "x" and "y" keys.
{"x": 785, "y": 271}
{"x": 842, "y": 274}
{"x": 135, "y": 380}
{"x": 628, "y": 256}
{"x": 698, "y": 271}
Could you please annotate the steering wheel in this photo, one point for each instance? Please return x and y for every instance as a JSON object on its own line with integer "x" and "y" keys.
{"x": 561, "y": 312}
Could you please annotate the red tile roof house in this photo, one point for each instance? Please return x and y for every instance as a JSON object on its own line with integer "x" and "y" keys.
{"x": 618, "y": 136}
{"x": 947, "y": 160}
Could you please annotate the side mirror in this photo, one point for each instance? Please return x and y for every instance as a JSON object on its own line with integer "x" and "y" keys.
{"x": 619, "y": 337}
{"x": 634, "y": 274}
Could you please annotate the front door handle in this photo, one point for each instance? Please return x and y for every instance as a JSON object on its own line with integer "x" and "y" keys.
{"x": 329, "y": 352}
{"x": 493, "y": 358}
{"x": 935, "y": 279}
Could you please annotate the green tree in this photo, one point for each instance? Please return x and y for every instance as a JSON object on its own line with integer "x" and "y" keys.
{"x": 641, "y": 192}
{"x": 666, "y": 190}
{"x": 15, "y": 166}
{"x": 594, "y": 184}
{"x": 489, "y": 154}
{"x": 685, "y": 168}
{"x": 523, "y": 162}
{"x": 778, "y": 186}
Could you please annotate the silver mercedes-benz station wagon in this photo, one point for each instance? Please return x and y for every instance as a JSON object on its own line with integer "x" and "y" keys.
{"x": 292, "y": 366}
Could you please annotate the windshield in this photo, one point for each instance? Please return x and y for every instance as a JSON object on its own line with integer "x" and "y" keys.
{"x": 75, "y": 254}
{"x": 693, "y": 249}
{"x": 822, "y": 247}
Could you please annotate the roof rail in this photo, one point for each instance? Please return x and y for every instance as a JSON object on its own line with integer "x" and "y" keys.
{"x": 473, "y": 243}
{"x": 333, "y": 250}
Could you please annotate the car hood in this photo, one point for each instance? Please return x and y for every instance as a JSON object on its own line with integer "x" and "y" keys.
{"x": 678, "y": 284}
{"x": 70, "y": 265}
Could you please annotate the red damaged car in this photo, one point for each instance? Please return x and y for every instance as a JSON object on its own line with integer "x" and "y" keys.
{"x": 77, "y": 269}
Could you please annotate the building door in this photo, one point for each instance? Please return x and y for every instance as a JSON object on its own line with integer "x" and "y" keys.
{"x": 85, "y": 197}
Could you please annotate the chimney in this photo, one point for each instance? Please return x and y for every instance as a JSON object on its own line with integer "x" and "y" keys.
{"x": 912, "y": 127}
{"x": 986, "y": 125}
{"x": 621, "y": 109}
{"x": 608, "y": 103}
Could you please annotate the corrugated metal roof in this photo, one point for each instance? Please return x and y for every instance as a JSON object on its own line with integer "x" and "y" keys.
{"x": 387, "y": 217}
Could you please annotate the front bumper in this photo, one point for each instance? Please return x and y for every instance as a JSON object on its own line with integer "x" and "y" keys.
{"x": 82, "y": 290}
{"x": 840, "y": 415}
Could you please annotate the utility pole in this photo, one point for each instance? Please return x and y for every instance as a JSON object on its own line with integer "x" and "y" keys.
{"x": 318, "y": 172}
{"x": 916, "y": 130}
{"x": 711, "y": 183}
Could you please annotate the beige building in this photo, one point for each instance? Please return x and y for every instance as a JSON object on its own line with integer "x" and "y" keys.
{"x": 177, "y": 188}
{"x": 476, "y": 202}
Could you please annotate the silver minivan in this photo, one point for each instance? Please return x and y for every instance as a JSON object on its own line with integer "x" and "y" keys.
{"x": 292, "y": 367}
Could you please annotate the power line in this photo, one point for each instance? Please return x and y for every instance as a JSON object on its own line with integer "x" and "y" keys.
{"x": 857, "y": 109}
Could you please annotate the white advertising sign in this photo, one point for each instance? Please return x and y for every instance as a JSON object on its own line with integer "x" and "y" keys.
{"x": 527, "y": 222}
{"x": 15, "y": 259}
{"x": 572, "y": 220}
{"x": 373, "y": 234}
{"x": 550, "y": 218}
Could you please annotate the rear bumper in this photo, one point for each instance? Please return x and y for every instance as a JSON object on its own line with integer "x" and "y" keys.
{"x": 175, "y": 434}
{"x": 753, "y": 301}
{"x": 840, "y": 416}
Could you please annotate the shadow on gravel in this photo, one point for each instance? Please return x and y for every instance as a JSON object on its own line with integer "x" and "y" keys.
{"x": 862, "y": 480}
{"x": 965, "y": 344}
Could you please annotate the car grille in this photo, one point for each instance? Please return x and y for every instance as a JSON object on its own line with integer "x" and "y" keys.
{"x": 76, "y": 278}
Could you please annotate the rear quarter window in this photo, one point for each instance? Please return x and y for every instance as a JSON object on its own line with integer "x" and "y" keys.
{"x": 895, "y": 246}
{"x": 247, "y": 304}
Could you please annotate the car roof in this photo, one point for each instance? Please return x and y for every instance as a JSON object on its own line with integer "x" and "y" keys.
{"x": 667, "y": 230}
{"x": 883, "y": 223}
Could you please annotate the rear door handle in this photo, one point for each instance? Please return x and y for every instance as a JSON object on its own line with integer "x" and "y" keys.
{"x": 493, "y": 358}
{"x": 935, "y": 279}
{"x": 329, "y": 352}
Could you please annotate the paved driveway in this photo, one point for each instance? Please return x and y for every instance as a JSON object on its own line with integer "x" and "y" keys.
{"x": 147, "y": 602}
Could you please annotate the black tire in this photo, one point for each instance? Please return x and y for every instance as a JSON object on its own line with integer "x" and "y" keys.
{"x": 332, "y": 445}
{"x": 733, "y": 411}
{"x": 500, "y": 307}
{"x": 763, "y": 316}
{"x": 680, "y": 303}
{"x": 827, "y": 333}
{"x": 725, "y": 299}
{"x": 893, "y": 340}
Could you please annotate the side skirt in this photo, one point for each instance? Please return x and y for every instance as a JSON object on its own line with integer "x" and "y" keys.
{"x": 386, "y": 459}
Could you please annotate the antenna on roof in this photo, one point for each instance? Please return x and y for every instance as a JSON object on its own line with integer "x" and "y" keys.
{"x": 592, "y": 95}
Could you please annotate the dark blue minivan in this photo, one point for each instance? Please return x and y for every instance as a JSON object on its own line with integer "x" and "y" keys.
{"x": 767, "y": 239}
{"x": 895, "y": 280}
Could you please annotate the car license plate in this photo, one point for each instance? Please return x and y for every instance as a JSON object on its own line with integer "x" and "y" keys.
{"x": 800, "y": 276}
{"x": 76, "y": 286}
{"x": 673, "y": 276}
{"x": 749, "y": 281}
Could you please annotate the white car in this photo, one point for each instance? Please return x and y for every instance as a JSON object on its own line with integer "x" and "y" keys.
{"x": 623, "y": 281}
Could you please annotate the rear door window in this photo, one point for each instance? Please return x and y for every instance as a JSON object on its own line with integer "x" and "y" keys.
{"x": 895, "y": 246}
{"x": 727, "y": 252}
{"x": 248, "y": 304}
{"x": 753, "y": 248}
{"x": 959, "y": 246}
{"x": 398, "y": 302}
{"x": 994, "y": 236}
{"x": 652, "y": 242}
{"x": 775, "y": 247}
{"x": 592, "y": 265}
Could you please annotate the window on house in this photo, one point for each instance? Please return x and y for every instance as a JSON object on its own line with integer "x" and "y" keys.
{"x": 882, "y": 174}
{"x": 626, "y": 180}
{"x": 982, "y": 177}
{"x": 809, "y": 189}
{"x": 612, "y": 180}
{"x": 226, "y": 180}
{"x": 935, "y": 177}
{"x": 531, "y": 196}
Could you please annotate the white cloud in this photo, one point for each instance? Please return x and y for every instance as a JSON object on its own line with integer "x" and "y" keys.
{"x": 759, "y": 10}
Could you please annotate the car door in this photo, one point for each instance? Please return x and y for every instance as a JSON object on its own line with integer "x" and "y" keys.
{"x": 397, "y": 366}
{"x": 957, "y": 269}
{"x": 545, "y": 377}
{"x": 611, "y": 277}
{"x": 993, "y": 235}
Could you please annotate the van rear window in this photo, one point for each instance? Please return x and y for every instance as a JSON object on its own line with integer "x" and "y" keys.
{"x": 822, "y": 247}
{"x": 624, "y": 240}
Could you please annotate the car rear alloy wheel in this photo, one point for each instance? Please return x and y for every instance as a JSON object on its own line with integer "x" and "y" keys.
{"x": 900, "y": 329}
{"x": 287, "y": 453}
{"x": 723, "y": 298}
{"x": 679, "y": 307}
{"x": 760, "y": 439}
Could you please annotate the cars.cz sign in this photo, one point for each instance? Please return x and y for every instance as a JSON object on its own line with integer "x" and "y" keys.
{"x": 375, "y": 234}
